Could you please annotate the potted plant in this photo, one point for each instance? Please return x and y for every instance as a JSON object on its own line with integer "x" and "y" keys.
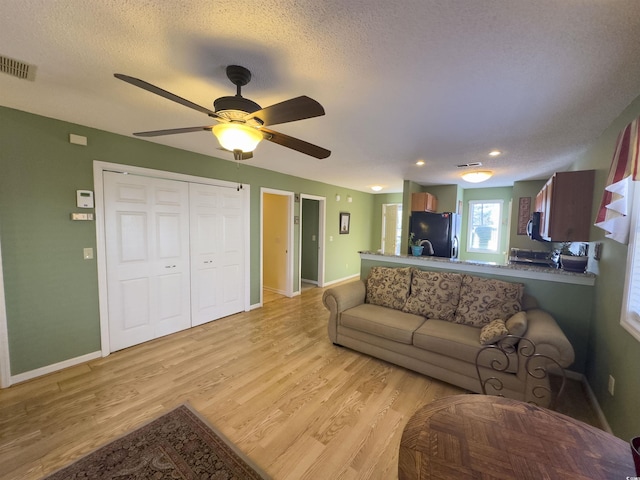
{"x": 573, "y": 260}
{"x": 414, "y": 243}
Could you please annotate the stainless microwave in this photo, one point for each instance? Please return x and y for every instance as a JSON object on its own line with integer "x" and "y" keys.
{"x": 533, "y": 227}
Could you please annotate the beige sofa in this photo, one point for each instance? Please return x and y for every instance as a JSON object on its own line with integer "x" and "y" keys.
{"x": 431, "y": 322}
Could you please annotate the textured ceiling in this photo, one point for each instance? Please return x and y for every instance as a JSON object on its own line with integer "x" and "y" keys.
{"x": 445, "y": 81}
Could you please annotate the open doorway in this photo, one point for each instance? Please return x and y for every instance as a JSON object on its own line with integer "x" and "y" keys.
{"x": 312, "y": 228}
{"x": 391, "y": 228}
{"x": 276, "y": 225}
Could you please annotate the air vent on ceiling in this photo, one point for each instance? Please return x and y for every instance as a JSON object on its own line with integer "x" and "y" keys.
{"x": 472, "y": 164}
{"x": 17, "y": 68}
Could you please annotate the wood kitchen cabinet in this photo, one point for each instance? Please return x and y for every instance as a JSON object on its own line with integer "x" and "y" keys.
{"x": 565, "y": 206}
{"x": 423, "y": 202}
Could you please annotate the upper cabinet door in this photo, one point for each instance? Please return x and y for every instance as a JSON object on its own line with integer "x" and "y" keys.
{"x": 423, "y": 202}
{"x": 565, "y": 203}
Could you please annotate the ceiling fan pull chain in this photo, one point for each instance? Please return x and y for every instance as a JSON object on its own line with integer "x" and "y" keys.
{"x": 238, "y": 156}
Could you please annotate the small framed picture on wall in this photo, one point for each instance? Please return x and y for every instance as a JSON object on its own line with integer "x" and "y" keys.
{"x": 345, "y": 222}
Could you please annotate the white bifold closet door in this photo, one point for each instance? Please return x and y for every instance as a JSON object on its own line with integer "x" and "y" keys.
{"x": 147, "y": 245}
{"x": 217, "y": 261}
{"x": 174, "y": 255}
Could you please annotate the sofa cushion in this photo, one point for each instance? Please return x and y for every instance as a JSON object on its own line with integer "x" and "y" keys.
{"x": 388, "y": 287}
{"x": 457, "y": 341}
{"x": 434, "y": 294}
{"x": 492, "y": 332}
{"x": 483, "y": 300}
{"x": 382, "y": 322}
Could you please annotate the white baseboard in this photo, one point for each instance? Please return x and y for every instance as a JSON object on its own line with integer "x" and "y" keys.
{"x": 305, "y": 280}
{"x": 592, "y": 398}
{"x": 357, "y": 275}
{"x": 38, "y": 372}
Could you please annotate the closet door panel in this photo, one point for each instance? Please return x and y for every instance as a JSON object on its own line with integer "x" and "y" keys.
{"x": 147, "y": 244}
{"x": 215, "y": 242}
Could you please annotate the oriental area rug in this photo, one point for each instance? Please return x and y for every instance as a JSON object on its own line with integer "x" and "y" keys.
{"x": 178, "y": 445}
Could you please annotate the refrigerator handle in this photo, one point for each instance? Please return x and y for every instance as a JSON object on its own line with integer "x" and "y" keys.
{"x": 454, "y": 249}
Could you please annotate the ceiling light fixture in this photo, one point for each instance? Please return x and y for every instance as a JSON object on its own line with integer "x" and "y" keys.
{"x": 420, "y": 162}
{"x": 477, "y": 177}
{"x": 376, "y": 188}
{"x": 237, "y": 136}
{"x": 494, "y": 153}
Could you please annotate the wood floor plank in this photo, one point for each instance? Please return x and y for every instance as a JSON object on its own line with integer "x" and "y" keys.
{"x": 269, "y": 379}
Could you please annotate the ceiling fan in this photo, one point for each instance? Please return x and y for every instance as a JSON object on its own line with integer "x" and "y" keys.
{"x": 241, "y": 123}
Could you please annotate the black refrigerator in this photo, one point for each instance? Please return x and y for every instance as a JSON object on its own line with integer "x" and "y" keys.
{"x": 441, "y": 229}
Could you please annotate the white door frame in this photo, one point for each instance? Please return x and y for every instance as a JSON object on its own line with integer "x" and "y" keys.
{"x": 322, "y": 221}
{"x": 98, "y": 168}
{"x": 290, "y": 244}
{"x": 5, "y": 359}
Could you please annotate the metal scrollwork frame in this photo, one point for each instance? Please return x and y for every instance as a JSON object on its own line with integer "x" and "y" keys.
{"x": 536, "y": 366}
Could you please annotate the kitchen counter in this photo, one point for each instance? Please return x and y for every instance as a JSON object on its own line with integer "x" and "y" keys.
{"x": 512, "y": 270}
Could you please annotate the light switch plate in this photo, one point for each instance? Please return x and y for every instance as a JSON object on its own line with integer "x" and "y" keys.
{"x": 87, "y": 253}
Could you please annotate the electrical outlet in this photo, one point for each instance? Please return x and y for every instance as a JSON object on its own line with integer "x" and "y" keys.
{"x": 612, "y": 384}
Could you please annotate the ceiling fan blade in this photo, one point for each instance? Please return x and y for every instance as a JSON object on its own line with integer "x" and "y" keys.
{"x": 291, "y": 110}
{"x": 295, "y": 144}
{"x": 172, "y": 131}
{"x": 163, "y": 93}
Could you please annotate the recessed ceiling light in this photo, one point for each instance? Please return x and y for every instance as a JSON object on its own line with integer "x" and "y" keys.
{"x": 494, "y": 153}
{"x": 420, "y": 162}
{"x": 376, "y": 188}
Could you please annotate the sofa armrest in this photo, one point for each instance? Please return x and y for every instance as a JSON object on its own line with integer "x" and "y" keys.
{"x": 550, "y": 341}
{"x": 340, "y": 298}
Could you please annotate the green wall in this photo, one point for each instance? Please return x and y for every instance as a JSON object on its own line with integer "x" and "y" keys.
{"x": 447, "y": 195}
{"x": 310, "y": 231}
{"x": 499, "y": 193}
{"x": 51, "y": 291}
{"x": 612, "y": 351}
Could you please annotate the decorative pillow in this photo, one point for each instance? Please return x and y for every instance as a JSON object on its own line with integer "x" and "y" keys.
{"x": 483, "y": 300}
{"x": 434, "y": 295}
{"x": 388, "y": 287}
{"x": 517, "y": 325}
{"x": 492, "y": 332}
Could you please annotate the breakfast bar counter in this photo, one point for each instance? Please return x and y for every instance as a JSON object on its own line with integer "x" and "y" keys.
{"x": 513, "y": 270}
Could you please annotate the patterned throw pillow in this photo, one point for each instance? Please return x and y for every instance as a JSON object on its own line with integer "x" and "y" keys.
{"x": 483, "y": 300}
{"x": 388, "y": 287}
{"x": 492, "y": 332}
{"x": 434, "y": 294}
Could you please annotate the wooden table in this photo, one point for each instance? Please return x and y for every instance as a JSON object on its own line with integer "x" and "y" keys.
{"x": 480, "y": 436}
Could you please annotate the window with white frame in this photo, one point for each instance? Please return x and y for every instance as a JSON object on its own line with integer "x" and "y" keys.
{"x": 485, "y": 218}
{"x": 630, "y": 314}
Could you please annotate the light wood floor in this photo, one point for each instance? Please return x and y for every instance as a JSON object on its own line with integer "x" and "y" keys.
{"x": 269, "y": 379}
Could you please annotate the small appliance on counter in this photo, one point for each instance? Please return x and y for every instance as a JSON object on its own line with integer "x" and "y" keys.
{"x": 536, "y": 258}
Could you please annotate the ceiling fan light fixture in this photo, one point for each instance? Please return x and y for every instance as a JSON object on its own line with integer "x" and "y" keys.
{"x": 477, "y": 176}
{"x": 237, "y": 136}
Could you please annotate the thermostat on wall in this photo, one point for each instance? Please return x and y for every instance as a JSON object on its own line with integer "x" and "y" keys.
{"x": 84, "y": 198}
